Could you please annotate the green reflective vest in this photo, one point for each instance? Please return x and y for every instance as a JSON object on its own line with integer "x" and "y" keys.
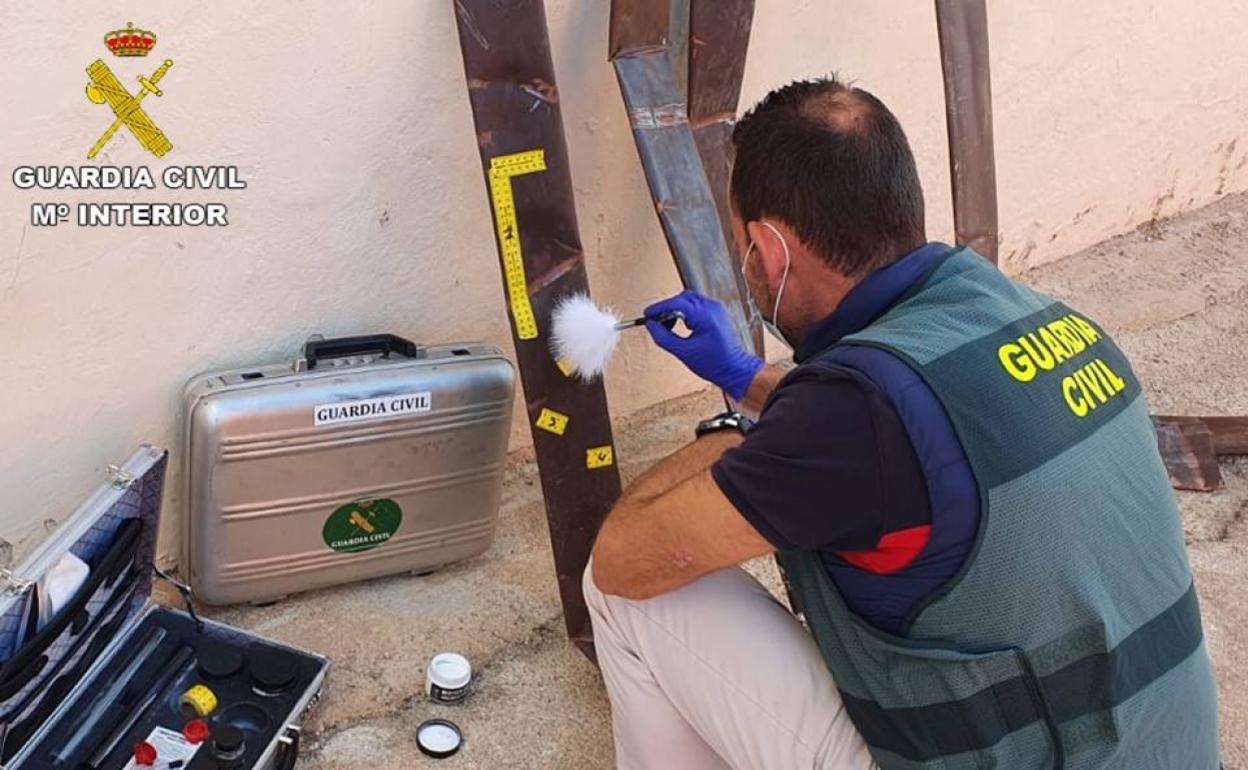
{"x": 1071, "y": 637}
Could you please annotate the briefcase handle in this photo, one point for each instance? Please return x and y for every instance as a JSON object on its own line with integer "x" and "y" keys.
{"x": 315, "y": 350}
{"x": 288, "y": 749}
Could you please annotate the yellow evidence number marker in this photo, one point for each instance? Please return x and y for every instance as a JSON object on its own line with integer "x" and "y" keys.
{"x": 502, "y": 169}
{"x": 599, "y": 457}
{"x": 552, "y": 422}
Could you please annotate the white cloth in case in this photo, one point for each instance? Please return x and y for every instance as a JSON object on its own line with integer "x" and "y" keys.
{"x": 58, "y": 587}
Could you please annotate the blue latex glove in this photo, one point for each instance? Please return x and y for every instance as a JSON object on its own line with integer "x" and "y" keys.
{"x": 712, "y": 350}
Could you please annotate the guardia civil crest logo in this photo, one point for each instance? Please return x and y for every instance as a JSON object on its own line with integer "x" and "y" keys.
{"x": 125, "y": 107}
{"x": 362, "y": 525}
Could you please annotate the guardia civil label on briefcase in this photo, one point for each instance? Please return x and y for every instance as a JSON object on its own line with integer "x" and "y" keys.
{"x": 361, "y": 457}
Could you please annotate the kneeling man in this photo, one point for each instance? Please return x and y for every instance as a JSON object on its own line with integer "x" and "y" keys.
{"x": 960, "y": 481}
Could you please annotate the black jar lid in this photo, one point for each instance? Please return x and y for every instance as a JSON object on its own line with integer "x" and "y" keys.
{"x": 227, "y": 739}
{"x": 271, "y": 671}
{"x": 220, "y": 662}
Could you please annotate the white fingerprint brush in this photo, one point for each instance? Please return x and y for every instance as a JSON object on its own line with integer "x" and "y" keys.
{"x": 583, "y": 336}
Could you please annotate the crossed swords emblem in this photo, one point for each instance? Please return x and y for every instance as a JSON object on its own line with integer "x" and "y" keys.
{"x": 105, "y": 87}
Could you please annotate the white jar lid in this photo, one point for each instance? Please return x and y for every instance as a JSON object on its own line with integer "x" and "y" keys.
{"x": 439, "y": 738}
{"x": 450, "y": 670}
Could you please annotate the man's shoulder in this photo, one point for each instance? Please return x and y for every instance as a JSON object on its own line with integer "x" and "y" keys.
{"x": 821, "y": 385}
{"x": 821, "y": 375}
{"x": 847, "y": 367}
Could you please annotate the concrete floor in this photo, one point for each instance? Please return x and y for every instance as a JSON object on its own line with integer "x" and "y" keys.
{"x": 1175, "y": 294}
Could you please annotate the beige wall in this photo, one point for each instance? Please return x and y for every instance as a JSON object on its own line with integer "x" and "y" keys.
{"x": 366, "y": 210}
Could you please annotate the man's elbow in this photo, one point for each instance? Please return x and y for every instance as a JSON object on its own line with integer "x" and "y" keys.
{"x": 611, "y": 569}
{"x": 604, "y": 570}
{"x": 615, "y": 574}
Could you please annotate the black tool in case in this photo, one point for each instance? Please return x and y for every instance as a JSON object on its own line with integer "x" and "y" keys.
{"x": 111, "y": 671}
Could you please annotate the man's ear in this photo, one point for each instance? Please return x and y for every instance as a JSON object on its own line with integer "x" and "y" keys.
{"x": 768, "y": 249}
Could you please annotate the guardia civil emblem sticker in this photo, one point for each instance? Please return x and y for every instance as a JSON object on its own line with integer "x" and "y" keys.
{"x": 362, "y": 525}
{"x": 127, "y": 108}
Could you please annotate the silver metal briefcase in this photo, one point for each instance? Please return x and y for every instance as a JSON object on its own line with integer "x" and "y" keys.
{"x": 367, "y": 456}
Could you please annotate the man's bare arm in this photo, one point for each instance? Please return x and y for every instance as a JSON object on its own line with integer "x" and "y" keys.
{"x": 686, "y": 462}
{"x": 673, "y": 526}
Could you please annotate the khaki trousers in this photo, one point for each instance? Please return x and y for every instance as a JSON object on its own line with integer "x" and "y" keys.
{"x": 718, "y": 674}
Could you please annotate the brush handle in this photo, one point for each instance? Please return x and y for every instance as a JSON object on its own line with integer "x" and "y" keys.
{"x": 666, "y": 319}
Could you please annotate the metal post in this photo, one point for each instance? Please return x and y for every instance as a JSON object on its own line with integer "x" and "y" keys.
{"x": 515, "y": 107}
{"x": 719, "y": 34}
{"x": 963, "y": 29}
{"x": 693, "y": 215}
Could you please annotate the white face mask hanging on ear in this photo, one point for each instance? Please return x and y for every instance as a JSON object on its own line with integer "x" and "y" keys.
{"x": 772, "y": 326}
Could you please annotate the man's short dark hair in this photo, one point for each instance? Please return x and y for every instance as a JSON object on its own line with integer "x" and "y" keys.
{"x": 831, "y": 162}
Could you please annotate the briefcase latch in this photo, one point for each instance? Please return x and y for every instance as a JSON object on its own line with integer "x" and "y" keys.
{"x": 121, "y": 479}
{"x": 14, "y": 585}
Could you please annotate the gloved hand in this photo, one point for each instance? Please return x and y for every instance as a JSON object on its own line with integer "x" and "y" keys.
{"x": 712, "y": 350}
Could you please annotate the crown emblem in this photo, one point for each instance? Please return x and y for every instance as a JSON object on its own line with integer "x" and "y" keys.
{"x": 130, "y": 41}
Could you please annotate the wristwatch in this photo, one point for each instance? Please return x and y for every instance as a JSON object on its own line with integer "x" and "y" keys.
{"x": 724, "y": 421}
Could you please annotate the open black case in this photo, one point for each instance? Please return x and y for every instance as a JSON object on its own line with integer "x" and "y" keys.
{"x": 111, "y": 670}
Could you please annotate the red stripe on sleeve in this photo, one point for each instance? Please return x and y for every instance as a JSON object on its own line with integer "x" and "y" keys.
{"x": 894, "y": 551}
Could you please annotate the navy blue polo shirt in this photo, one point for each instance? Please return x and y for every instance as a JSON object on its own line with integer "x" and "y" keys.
{"x": 830, "y": 466}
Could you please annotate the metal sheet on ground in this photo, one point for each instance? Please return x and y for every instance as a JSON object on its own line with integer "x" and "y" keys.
{"x": 519, "y": 131}
{"x": 1229, "y": 433}
{"x": 1187, "y": 449}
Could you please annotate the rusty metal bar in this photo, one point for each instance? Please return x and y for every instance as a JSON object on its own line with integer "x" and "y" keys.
{"x": 719, "y": 37}
{"x": 515, "y": 108}
{"x": 678, "y": 44}
{"x": 670, "y": 155}
{"x": 638, "y": 24}
{"x": 963, "y": 30}
{"x": 1229, "y": 434}
{"x": 678, "y": 183}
